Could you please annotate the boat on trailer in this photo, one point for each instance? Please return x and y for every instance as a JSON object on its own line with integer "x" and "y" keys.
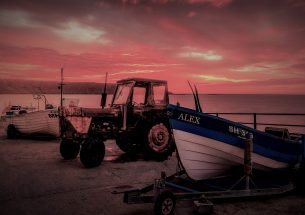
{"x": 209, "y": 146}
{"x": 199, "y": 163}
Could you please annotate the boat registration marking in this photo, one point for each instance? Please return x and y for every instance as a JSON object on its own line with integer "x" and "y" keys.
{"x": 239, "y": 131}
{"x": 189, "y": 118}
{"x": 53, "y": 115}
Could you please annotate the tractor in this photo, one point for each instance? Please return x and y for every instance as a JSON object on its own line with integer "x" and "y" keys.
{"x": 136, "y": 119}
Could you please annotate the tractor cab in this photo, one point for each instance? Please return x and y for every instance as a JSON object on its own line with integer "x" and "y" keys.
{"x": 138, "y": 97}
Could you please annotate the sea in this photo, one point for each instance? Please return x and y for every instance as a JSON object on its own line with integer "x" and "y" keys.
{"x": 211, "y": 103}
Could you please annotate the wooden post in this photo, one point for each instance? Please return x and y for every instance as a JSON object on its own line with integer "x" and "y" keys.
{"x": 254, "y": 120}
{"x": 248, "y": 159}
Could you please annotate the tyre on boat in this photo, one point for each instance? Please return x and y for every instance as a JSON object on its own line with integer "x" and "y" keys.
{"x": 12, "y": 132}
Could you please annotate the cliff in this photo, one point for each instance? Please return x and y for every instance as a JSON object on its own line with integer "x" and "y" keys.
{"x": 46, "y": 87}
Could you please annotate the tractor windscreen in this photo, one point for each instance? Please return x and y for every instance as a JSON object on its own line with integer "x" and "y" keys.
{"x": 122, "y": 94}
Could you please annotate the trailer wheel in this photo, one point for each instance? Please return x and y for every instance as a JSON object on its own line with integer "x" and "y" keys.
{"x": 12, "y": 132}
{"x": 165, "y": 203}
{"x": 68, "y": 149}
{"x": 158, "y": 141}
{"x": 300, "y": 183}
{"x": 127, "y": 143}
{"x": 92, "y": 152}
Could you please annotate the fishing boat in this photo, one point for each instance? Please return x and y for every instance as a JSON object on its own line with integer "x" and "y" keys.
{"x": 18, "y": 120}
{"x": 208, "y": 146}
{"x": 22, "y": 120}
{"x": 45, "y": 122}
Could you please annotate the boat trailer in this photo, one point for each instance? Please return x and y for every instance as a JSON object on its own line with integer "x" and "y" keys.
{"x": 167, "y": 190}
{"x": 242, "y": 182}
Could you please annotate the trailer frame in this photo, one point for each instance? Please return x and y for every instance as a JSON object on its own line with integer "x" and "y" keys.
{"x": 242, "y": 182}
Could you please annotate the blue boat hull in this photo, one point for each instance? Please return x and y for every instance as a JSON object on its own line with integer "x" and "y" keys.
{"x": 208, "y": 145}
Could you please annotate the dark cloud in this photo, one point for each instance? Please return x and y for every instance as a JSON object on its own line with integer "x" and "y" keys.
{"x": 254, "y": 24}
{"x": 98, "y": 35}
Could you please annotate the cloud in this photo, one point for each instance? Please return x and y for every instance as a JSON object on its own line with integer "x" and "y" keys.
{"x": 9, "y": 67}
{"x": 99, "y": 76}
{"x": 128, "y": 54}
{"x": 298, "y": 3}
{"x": 29, "y": 24}
{"x": 222, "y": 78}
{"x": 200, "y": 55}
{"x": 264, "y": 67}
{"x": 192, "y": 14}
{"x": 147, "y": 65}
{"x": 216, "y": 3}
{"x": 16, "y": 18}
{"x": 81, "y": 33}
{"x": 135, "y": 72}
{"x": 85, "y": 77}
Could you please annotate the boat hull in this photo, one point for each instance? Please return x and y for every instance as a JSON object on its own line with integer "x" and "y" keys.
{"x": 44, "y": 122}
{"x": 209, "y": 146}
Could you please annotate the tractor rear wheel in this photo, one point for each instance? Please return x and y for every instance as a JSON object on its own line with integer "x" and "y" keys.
{"x": 158, "y": 143}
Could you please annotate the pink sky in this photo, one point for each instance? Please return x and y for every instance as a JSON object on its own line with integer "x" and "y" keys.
{"x": 223, "y": 46}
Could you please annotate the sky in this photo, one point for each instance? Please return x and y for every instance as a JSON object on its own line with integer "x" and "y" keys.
{"x": 221, "y": 46}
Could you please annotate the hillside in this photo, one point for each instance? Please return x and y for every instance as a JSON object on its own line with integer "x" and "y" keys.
{"x": 32, "y": 87}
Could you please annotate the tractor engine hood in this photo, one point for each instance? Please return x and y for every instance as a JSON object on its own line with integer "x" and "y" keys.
{"x": 89, "y": 112}
{"x": 80, "y": 118}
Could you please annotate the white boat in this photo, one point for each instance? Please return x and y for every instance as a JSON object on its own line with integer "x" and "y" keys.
{"x": 209, "y": 146}
{"x": 44, "y": 122}
{"x": 18, "y": 120}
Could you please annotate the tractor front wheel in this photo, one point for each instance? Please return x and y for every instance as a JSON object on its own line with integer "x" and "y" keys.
{"x": 92, "y": 152}
{"x": 69, "y": 149}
